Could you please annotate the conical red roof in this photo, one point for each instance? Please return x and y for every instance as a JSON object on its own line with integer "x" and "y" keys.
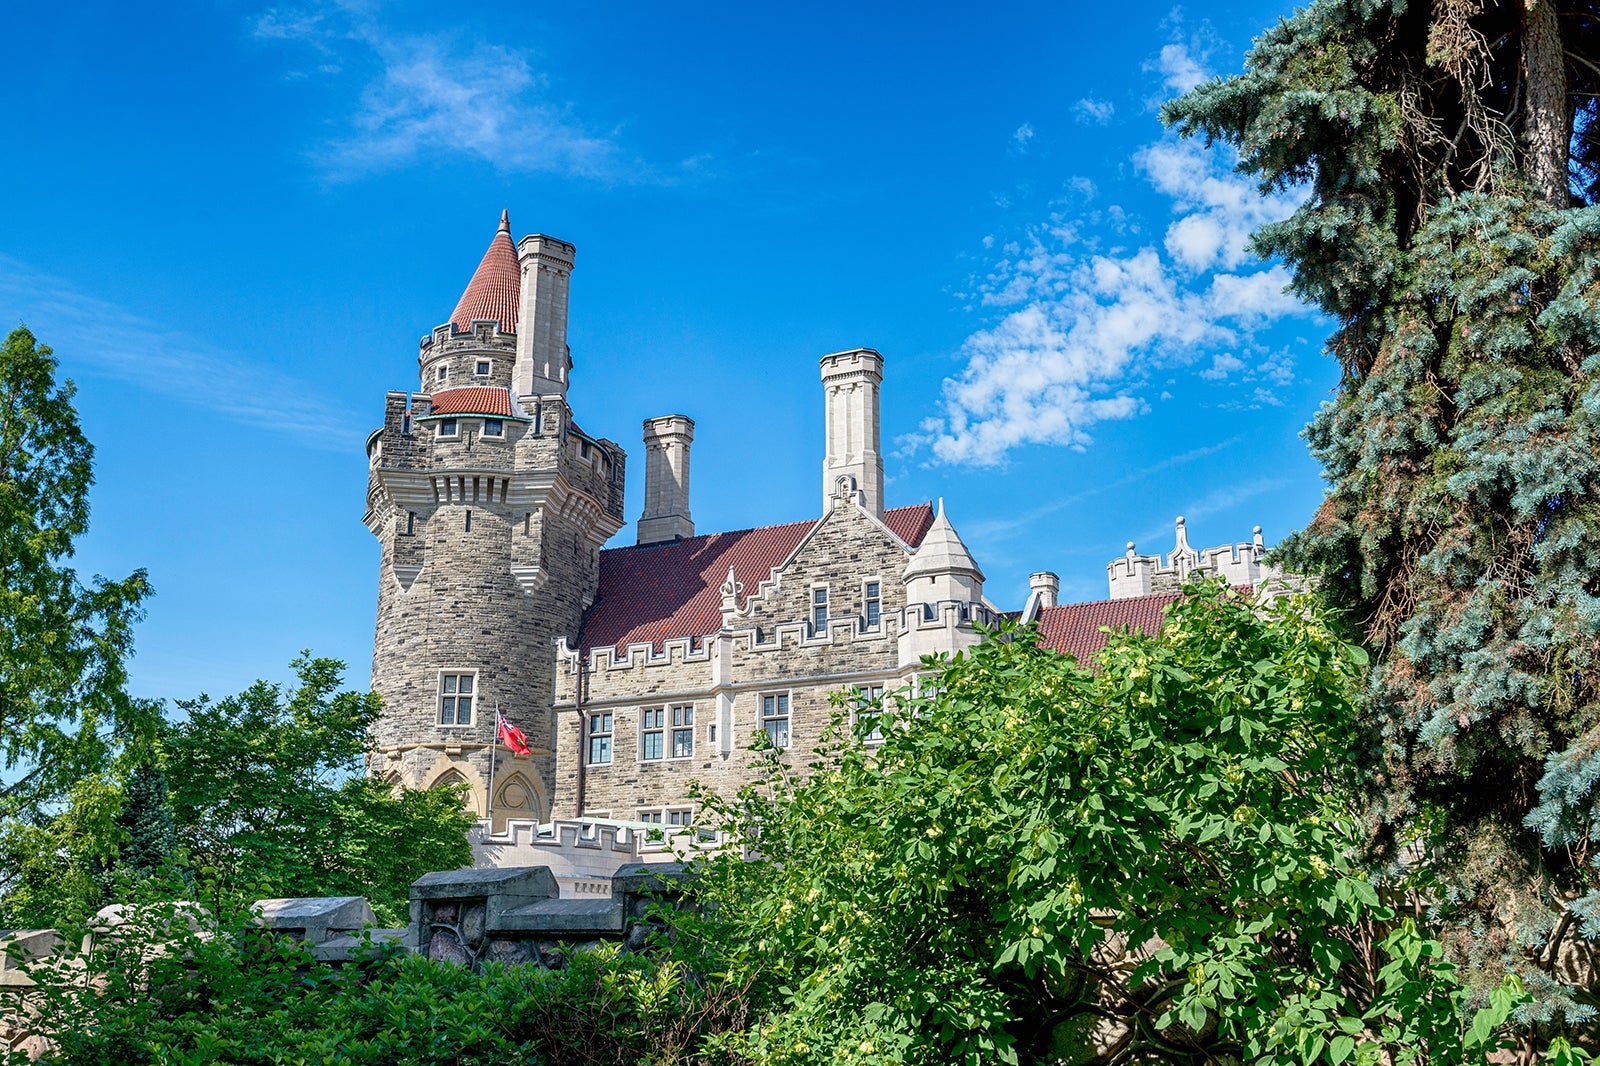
{"x": 496, "y": 288}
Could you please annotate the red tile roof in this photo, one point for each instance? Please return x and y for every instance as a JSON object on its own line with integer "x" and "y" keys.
{"x": 496, "y": 289}
{"x": 1074, "y": 628}
{"x": 670, "y": 591}
{"x": 472, "y": 400}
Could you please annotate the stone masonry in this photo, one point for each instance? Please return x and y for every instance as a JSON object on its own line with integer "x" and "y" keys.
{"x": 635, "y": 671}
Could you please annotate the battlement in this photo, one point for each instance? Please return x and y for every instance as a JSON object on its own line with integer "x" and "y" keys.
{"x": 1143, "y": 575}
{"x": 581, "y": 853}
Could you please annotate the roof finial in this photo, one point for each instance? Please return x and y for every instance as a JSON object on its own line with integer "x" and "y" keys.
{"x": 505, "y": 220}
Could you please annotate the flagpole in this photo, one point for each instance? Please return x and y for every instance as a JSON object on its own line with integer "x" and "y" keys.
{"x": 494, "y": 749}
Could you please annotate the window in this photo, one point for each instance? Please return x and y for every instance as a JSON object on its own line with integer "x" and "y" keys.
{"x": 599, "y": 739}
{"x": 455, "y": 698}
{"x": 405, "y": 425}
{"x": 411, "y": 523}
{"x": 653, "y": 817}
{"x": 449, "y": 427}
{"x": 869, "y": 703}
{"x": 775, "y": 718}
{"x": 494, "y": 427}
{"x": 444, "y": 372}
{"x": 469, "y": 521}
{"x": 711, "y": 734}
{"x": 483, "y": 367}
{"x": 683, "y": 732}
{"x": 650, "y": 732}
{"x": 680, "y": 817}
{"x": 819, "y": 610}
{"x": 874, "y": 604}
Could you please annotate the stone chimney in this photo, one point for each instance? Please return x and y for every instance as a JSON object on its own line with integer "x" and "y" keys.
{"x": 850, "y": 382}
{"x": 666, "y": 479}
{"x": 1046, "y": 588}
{"x": 543, "y": 364}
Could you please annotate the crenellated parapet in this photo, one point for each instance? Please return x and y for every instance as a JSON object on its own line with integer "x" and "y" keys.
{"x": 1134, "y": 574}
{"x": 483, "y": 354}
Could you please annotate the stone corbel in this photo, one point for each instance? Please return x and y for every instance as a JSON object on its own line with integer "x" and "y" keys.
{"x": 531, "y": 578}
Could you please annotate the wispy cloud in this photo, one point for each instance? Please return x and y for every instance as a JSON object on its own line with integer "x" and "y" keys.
{"x": 1020, "y": 139}
{"x": 1093, "y": 112}
{"x": 104, "y": 338}
{"x": 1215, "y": 502}
{"x": 435, "y": 95}
{"x": 1082, "y": 329}
{"x": 1180, "y": 69}
{"x": 997, "y": 529}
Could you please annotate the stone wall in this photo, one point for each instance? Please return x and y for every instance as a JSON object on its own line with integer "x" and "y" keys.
{"x": 490, "y": 552}
{"x": 768, "y": 646}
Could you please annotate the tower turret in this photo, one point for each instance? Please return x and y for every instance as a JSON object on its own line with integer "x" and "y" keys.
{"x": 850, "y": 383}
{"x": 944, "y": 595}
{"x": 491, "y": 513}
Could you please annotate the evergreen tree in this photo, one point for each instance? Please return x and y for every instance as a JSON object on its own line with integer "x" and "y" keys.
{"x": 151, "y": 842}
{"x": 1452, "y": 158}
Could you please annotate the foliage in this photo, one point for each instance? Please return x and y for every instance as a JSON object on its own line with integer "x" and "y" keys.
{"x": 1452, "y": 164}
{"x": 269, "y": 799}
{"x": 62, "y": 643}
{"x": 171, "y": 987}
{"x": 1167, "y": 836}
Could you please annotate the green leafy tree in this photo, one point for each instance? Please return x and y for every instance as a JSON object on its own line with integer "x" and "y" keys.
{"x": 1152, "y": 859}
{"x": 269, "y": 798}
{"x": 1452, "y": 161}
{"x": 62, "y": 642}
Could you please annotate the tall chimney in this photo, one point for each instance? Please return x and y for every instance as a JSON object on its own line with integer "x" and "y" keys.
{"x": 543, "y": 364}
{"x": 1046, "y": 586}
{"x": 850, "y": 382}
{"x": 666, "y": 479}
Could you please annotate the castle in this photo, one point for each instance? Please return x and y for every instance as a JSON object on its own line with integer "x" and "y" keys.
{"x": 635, "y": 670}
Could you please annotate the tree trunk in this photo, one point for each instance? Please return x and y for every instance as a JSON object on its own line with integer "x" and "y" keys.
{"x": 1545, "y": 108}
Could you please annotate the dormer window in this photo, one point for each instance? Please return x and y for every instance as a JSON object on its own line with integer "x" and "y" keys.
{"x": 449, "y": 427}
{"x": 483, "y": 368}
{"x": 444, "y": 372}
{"x": 494, "y": 427}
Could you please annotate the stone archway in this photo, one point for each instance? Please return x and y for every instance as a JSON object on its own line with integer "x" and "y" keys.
{"x": 516, "y": 796}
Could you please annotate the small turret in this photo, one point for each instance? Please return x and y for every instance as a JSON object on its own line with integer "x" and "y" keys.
{"x": 944, "y": 595}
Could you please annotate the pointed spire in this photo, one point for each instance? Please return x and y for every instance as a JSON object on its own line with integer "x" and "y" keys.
{"x": 942, "y": 551}
{"x": 496, "y": 288}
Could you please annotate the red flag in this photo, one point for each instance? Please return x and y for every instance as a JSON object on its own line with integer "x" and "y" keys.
{"x": 512, "y": 737}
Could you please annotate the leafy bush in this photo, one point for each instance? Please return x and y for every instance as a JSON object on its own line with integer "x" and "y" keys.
{"x": 168, "y": 989}
{"x": 1164, "y": 841}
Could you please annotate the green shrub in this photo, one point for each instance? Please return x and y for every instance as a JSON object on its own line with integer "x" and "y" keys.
{"x": 160, "y": 991}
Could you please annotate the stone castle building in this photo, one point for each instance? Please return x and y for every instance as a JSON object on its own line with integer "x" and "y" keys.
{"x": 635, "y": 670}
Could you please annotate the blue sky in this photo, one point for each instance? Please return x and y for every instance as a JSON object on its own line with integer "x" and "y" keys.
{"x": 233, "y": 222}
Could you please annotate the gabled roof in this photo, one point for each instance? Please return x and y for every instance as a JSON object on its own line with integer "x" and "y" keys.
{"x": 1074, "y": 628}
{"x": 496, "y": 288}
{"x": 471, "y": 400}
{"x": 658, "y": 592}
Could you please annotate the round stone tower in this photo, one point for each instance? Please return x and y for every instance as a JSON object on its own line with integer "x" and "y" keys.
{"x": 490, "y": 505}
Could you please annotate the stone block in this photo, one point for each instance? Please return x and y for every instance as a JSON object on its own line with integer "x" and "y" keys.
{"x": 315, "y": 919}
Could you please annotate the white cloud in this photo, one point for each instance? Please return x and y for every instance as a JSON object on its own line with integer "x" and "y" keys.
{"x": 92, "y": 334}
{"x": 1222, "y": 364}
{"x": 1023, "y": 135}
{"x": 1218, "y": 209}
{"x": 436, "y": 95}
{"x": 1180, "y": 69}
{"x": 1093, "y": 112}
{"x": 1082, "y": 329}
